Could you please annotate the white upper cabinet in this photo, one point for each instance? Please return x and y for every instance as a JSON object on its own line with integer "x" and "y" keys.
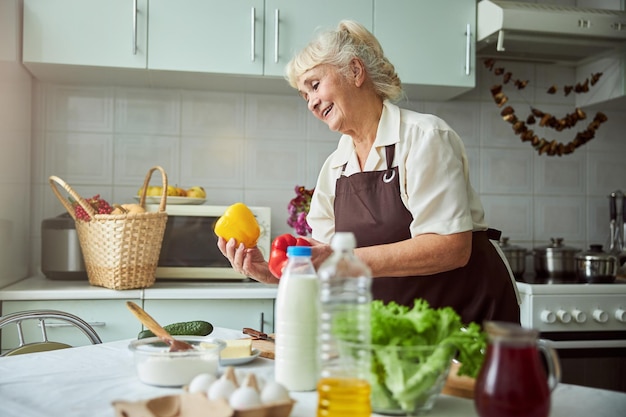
{"x": 428, "y": 43}
{"x": 252, "y": 37}
{"x": 212, "y": 43}
{"x": 290, "y": 25}
{"x": 207, "y": 36}
{"x": 99, "y": 33}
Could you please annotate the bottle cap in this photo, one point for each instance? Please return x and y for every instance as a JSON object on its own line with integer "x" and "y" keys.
{"x": 343, "y": 241}
{"x": 299, "y": 251}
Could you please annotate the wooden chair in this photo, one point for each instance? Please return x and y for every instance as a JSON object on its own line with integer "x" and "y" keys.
{"x": 42, "y": 316}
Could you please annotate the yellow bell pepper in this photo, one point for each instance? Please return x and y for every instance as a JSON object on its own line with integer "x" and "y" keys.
{"x": 238, "y": 222}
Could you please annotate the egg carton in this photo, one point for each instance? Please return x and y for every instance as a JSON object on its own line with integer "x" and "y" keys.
{"x": 196, "y": 405}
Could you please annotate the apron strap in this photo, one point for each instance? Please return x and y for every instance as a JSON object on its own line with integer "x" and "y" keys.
{"x": 390, "y": 153}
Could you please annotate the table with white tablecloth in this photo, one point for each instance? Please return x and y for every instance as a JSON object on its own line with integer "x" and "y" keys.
{"x": 84, "y": 381}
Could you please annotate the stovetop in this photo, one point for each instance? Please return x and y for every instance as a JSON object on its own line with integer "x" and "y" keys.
{"x": 573, "y": 307}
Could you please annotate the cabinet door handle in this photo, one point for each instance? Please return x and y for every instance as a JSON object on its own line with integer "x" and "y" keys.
{"x": 134, "y": 27}
{"x": 468, "y": 48}
{"x": 60, "y": 324}
{"x": 276, "y": 19}
{"x": 253, "y": 34}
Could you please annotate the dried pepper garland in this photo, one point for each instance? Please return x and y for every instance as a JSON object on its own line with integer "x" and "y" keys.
{"x": 547, "y": 120}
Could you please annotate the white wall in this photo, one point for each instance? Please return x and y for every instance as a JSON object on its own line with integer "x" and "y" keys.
{"x": 15, "y": 140}
{"x": 256, "y": 148}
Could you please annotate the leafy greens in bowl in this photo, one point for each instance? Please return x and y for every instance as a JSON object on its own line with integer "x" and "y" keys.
{"x": 410, "y": 353}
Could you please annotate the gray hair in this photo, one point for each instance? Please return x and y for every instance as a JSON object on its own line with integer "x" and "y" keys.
{"x": 339, "y": 47}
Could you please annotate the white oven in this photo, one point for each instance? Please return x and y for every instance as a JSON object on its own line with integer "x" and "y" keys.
{"x": 586, "y": 323}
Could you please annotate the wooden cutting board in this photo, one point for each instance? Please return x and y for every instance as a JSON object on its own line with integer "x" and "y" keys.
{"x": 459, "y": 386}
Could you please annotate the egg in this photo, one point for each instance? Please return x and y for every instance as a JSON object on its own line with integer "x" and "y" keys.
{"x": 201, "y": 383}
{"x": 244, "y": 397}
{"x": 274, "y": 392}
{"x": 222, "y": 388}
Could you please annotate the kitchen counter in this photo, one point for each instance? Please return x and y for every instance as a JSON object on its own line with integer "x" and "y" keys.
{"x": 88, "y": 379}
{"x": 41, "y": 288}
{"x": 232, "y": 304}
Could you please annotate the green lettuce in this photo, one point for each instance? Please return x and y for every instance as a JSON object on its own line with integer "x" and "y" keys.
{"x": 403, "y": 378}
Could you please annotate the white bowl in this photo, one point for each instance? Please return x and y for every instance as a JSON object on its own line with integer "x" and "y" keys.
{"x": 156, "y": 365}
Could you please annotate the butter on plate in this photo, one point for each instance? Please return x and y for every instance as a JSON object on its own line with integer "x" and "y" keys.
{"x": 237, "y": 348}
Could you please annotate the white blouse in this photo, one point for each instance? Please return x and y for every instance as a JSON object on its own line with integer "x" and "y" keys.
{"x": 433, "y": 172}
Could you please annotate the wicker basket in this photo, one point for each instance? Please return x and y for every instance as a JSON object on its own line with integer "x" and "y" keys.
{"x": 121, "y": 251}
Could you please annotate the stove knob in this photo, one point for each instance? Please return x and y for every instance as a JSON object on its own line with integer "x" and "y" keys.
{"x": 579, "y": 316}
{"x": 564, "y": 316}
{"x": 547, "y": 316}
{"x": 600, "y": 316}
{"x": 620, "y": 315}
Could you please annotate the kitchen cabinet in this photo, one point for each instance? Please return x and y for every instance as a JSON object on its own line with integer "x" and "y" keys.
{"x": 290, "y": 25}
{"x": 207, "y": 36}
{"x": 242, "y": 45}
{"x": 229, "y": 313}
{"x": 429, "y": 44}
{"x": 252, "y": 37}
{"x": 224, "y": 304}
{"x": 86, "y": 32}
{"x": 109, "y": 317}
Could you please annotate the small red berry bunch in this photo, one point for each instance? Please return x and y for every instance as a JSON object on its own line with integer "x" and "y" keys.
{"x": 100, "y": 206}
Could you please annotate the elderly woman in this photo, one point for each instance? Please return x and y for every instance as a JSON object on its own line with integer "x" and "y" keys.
{"x": 398, "y": 180}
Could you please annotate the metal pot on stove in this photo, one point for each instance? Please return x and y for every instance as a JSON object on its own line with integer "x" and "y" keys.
{"x": 516, "y": 255}
{"x": 596, "y": 266}
{"x": 555, "y": 260}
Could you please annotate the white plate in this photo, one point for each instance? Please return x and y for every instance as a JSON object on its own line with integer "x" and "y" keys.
{"x": 173, "y": 200}
{"x": 240, "y": 361}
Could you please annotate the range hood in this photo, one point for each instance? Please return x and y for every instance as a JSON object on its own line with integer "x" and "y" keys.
{"x": 556, "y": 34}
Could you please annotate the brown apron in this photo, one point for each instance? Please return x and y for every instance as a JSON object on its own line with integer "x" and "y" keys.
{"x": 369, "y": 205}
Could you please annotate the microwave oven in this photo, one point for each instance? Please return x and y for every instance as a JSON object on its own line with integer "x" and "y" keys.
{"x": 189, "y": 250}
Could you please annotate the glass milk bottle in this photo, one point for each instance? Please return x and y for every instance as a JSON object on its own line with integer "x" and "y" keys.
{"x": 296, "y": 363}
{"x": 345, "y": 298}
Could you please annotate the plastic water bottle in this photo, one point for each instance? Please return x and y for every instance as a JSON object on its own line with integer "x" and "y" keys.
{"x": 297, "y": 313}
{"x": 345, "y": 297}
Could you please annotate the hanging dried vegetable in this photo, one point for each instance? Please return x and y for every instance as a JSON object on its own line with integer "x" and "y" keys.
{"x": 546, "y": 120}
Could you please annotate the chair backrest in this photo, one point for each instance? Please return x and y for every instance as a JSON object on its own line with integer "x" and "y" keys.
{"x": 42, "y": 316}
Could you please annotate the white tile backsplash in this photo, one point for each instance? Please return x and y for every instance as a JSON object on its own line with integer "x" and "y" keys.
{"x": 147, "y": 111}
{"x": 495, "y": 131}
{"x": 506, "y": 171}
{"x": 564, "y": 217}
{"x": 256, "y": 148}
{"x": 561, "y": 176}
{"x": 213, "y": 114}
{"x": 463, "y": 117}
{"x": 607, "y": 172}
{"x": 277, "y": 117}
{"x": 79, "y": 109}
{"x": 79, "y": 158}
{"x": 274, "y": 163}
{"x": 512, "y": 215}
{"x": 214, "y": 162}
{"x": 136, "y": 154}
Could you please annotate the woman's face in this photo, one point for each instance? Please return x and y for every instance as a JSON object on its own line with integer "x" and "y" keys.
{"x": 329, "y": 96}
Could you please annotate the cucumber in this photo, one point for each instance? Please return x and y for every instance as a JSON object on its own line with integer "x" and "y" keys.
{"x": 185, "y": 328}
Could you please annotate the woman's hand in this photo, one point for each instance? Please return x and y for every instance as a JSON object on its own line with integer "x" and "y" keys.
{"x": 319, "y": 251}
{"x": 247, "y": 261}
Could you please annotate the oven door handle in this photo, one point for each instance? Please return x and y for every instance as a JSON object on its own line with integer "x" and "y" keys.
{"x": 586, "y": 344}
